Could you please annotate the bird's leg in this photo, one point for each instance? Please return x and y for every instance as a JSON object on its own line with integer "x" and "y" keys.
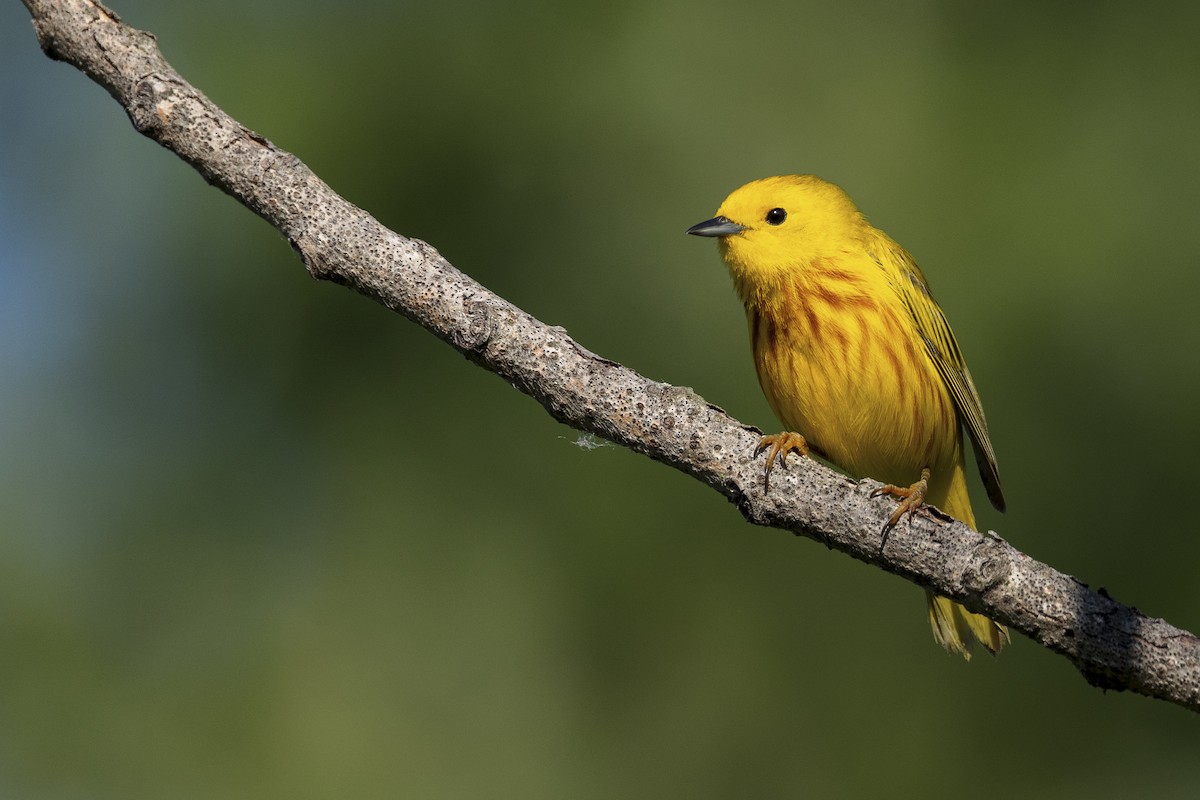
{"x": 781, "y": 446}
{"x": 914, "y": 497}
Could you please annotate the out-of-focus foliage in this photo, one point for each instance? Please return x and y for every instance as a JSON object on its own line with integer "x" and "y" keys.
{"x": 260, "y": 537}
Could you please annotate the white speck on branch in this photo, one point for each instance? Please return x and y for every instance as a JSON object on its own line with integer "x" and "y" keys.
{"x": 1115, "y": 646}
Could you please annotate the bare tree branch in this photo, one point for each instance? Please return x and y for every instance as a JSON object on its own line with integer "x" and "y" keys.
{"x": 1113, "y": 645}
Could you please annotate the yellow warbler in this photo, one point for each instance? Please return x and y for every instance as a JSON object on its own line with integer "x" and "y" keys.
{"x": 856, "y": 358}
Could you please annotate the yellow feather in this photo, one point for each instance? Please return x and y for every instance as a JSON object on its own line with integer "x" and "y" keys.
{"x": 853, "y": 353}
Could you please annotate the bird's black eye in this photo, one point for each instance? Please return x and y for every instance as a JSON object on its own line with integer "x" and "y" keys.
{"x": 776, "y": 216}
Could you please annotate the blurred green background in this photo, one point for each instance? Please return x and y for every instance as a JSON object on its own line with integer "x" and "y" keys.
{"x": 260, "y": 537}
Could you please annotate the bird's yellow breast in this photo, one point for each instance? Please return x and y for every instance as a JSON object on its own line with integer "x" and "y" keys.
{"x": 839, "y": 362}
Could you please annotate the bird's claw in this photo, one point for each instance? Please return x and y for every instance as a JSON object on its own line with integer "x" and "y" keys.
{"x": 912, "y": 498}
{"x": 781, "y": 446}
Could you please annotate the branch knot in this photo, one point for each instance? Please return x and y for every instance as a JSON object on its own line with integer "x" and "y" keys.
{"x": 993, "y": 567}
{"x": 479, "y": 327}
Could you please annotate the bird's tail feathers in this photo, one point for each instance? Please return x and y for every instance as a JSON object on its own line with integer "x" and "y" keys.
{"x": 955, "y": 628}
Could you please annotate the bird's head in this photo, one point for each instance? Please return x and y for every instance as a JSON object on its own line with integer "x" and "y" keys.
{"x": 774, "y": 226}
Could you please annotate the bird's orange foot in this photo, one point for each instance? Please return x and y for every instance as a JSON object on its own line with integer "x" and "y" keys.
{"x": 913, "y": 498}
{"x": 781, "y": 446}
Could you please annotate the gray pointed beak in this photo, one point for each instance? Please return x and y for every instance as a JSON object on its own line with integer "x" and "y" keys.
{"x": 717, "y": 226}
